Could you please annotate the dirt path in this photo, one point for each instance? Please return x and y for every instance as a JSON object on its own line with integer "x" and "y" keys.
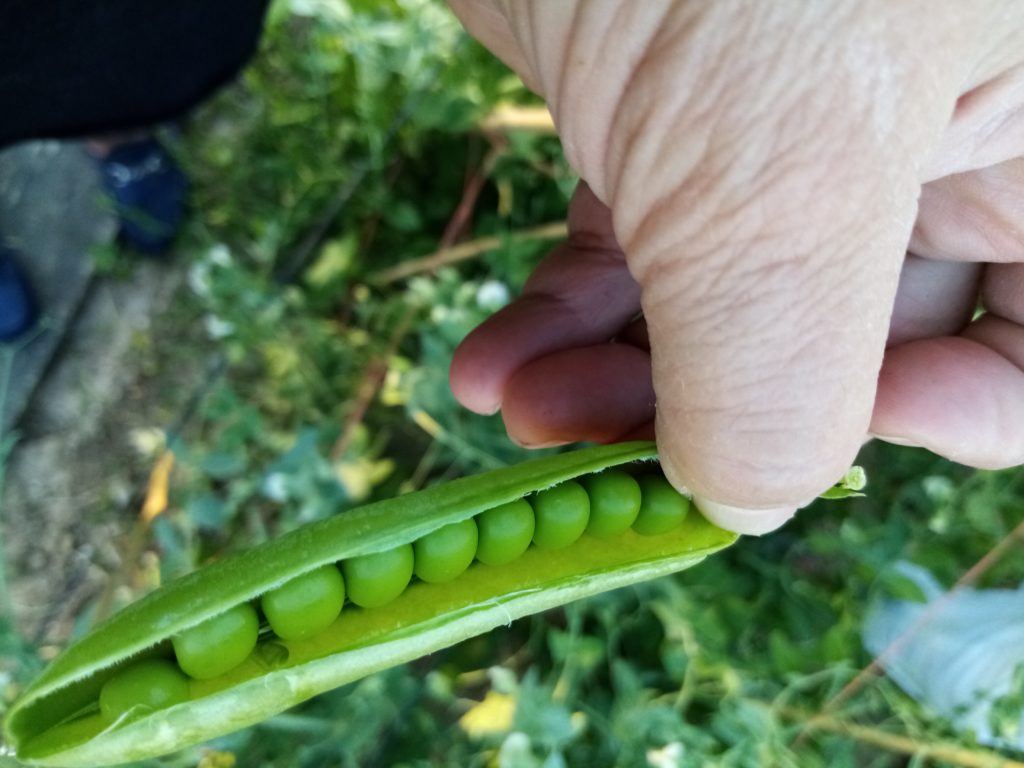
{"x": 99, "y": 373}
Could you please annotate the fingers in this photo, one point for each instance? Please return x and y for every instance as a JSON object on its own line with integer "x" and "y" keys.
{"x": 973, "y": 216}
{"x": 987, "y": 126}
{"x": 1002, "y": 292}
{"x": 580, "y": 295}
{"x": 934, "y": 298}
{"x": 962, "y": 397}
{"x": 600, "y": 393}
{"x": 963, "y": 220}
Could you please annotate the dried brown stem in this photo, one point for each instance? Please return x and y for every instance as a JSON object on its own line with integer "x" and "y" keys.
{"x": 373, "y": 379}
{"x": 516, "y": 118}
{"x": 468, "y": 250}
{"x": 894, "y": 742}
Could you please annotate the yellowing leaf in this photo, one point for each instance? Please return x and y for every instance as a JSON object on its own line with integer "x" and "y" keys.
{"x": 669, "y": 756}
{"x": 156, "y": 490}
{"x": 360, "y": 476}
{"x": 491, "y": 717}
{"x": 216, "y": 759}
{"x": 282, "y": 358}
{"x": 334, "y": 261}
{"x": 395, "y": 390}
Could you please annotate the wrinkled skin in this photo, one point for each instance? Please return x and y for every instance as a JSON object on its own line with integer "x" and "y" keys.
{"x": 806, "y": 201}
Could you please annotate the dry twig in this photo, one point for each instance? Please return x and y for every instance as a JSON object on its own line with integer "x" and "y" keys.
{"x": 468, "y": 250}
{"x": 893, "y": 742}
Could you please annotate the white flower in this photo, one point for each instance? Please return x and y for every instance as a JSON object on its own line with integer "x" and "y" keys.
{"x": 199, "y": 279}
{"x": 492, "y": 295}
{"x": 220, "y": 255}
{"x": 275, "y": 487}
{"x": 669, "y": 756}
{"x": 217, "y": 328}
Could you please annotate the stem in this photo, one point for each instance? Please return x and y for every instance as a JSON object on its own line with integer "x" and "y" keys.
{"x": 373, "y": 378}
{"x": 470, "y": 193}
{"x": 430, "y": 425}
{"x": 376, "y": 372}
{"x": 892, "y": 742}
{"x": 468, "y": 250}
{"x": 513, "y": 118}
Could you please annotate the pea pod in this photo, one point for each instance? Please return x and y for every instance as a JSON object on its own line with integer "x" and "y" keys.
{"x": 57, "y": 720}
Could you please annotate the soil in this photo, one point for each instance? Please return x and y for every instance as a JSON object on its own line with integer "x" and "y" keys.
{"x": 117, "y": 359}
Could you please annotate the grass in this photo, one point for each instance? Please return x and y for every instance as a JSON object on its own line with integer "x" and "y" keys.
{"x": 356, "y": 143}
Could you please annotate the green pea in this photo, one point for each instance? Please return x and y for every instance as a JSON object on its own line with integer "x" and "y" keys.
{"x": 443, "y": 554}
{"x": 218, "y": 645}
{"x": 306, "y": 604}
{"x": 377, "y": 579}
{"x": 614, "y": 503}
{"x": 662, "y": 507}
{"x": 151, "y": 683}
{"x": 505, "y": 532}
{"x": 562, "y": 513}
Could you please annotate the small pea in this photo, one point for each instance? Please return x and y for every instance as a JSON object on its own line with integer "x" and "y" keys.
{"x": 150, "y": 683}
{"x": 377, "y": 579}
{"x": 443, "y": 554}
{"x": 505, "y": 532}
{"x": 662, "y": 507}
{"x": 305, "y": 605}
{"x": 562, "y": 513}
{"x": 219, "y": 644}
{"x": 614, "y": 503}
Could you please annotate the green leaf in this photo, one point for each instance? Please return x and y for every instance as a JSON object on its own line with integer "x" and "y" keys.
{"x": 849, "y": 485}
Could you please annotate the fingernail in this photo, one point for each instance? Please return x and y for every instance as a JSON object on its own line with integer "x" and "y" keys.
{"x": 749, "y": 522}
{"x": 896, "y": 440}
{"x": 539, "y": 443}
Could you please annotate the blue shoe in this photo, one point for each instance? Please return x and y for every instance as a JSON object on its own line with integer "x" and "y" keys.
{"x": 148, "y": 190}
{"x": 18, "y": 310}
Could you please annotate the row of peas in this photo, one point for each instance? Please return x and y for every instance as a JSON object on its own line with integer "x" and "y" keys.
{"x": 603, "y": 505}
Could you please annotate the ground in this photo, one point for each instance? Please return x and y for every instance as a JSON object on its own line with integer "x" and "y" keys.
{"x": 75, "y": 394}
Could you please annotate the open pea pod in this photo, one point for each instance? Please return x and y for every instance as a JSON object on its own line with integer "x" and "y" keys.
{"x": 57, "y": 720}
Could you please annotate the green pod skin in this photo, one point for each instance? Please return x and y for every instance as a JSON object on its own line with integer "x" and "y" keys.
{"x": 505, "y": 532}
{"x": 561, "y": 514}
{"x": 377, "y": 579}
{"x": 219, "y": 644}
{"x": 614, "y": 503}
{"x": 150, "y": 683}
{"x": 662, "y": 507}
{"x": 444, "y": 554}
{"x": 305, "y": 605}
{"x": 57, "y": 719}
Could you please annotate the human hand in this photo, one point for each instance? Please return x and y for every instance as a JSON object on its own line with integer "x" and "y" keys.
{"x": 755, "y": 172}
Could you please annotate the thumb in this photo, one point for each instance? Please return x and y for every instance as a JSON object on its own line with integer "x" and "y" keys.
{"x": 766, "y": 225}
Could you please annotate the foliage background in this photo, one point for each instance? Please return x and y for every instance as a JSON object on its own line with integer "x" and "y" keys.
{"x": 355, "y": 142}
